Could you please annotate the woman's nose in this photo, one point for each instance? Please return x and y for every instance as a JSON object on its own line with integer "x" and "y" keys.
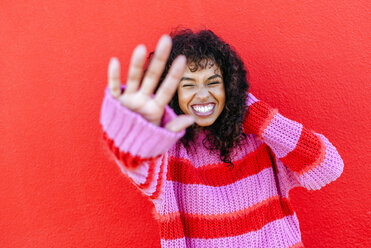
{"x": 203, "y": 93}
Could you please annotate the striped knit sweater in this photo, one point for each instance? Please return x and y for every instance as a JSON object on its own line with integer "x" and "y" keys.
{"x": 201, "y": 202}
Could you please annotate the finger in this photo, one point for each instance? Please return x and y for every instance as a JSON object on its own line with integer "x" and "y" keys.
{"x": 114, "y": 83}
{"x": 251, "y": 99}
{"x": 180, "y": 123}
{"x": 156, "y": 66}
{"x": 136, "y": 69}
{"x": 171, "y": 82}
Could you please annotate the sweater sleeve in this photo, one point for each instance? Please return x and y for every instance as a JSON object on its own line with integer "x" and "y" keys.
{"x": 138, "y": 146}
{"x": 312, "y": 161}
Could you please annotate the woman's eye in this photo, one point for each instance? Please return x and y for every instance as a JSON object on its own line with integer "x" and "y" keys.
{"x": 214, "y": 83}
{"x": 188, "y": 85}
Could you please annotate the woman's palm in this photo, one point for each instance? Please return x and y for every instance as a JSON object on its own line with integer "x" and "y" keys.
{"x": 138, "y": 95}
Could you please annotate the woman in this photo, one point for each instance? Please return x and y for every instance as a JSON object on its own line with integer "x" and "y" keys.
{"x": 219, "y": 169}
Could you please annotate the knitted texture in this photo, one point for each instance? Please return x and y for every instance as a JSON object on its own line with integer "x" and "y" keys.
{"x": 201, "y": 202}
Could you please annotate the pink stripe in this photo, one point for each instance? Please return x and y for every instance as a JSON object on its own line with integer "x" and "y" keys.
{"x": 106, "y": 113}
{"x": 282, "y": 135}
{"x": 122, "y": 133}
{"x": 115, "y": 123}
{"x": 284, "y": 232}
{"x": 218, "y": 200}
{"x": 251, "y": 99}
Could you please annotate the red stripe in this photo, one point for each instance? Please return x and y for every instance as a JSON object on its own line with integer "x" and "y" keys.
{"x": 258, "y": 117}
{"x": 297, "y": 245}
{"x": 178, "y": 225}
{"x": 128, "y": 160}
{"x": 159, "y": 180}
{"x": 309, "y": 152}
{"x": 219, "y": 174}
{"x": 150, "y": 176}
{"x": 132, "y": 162}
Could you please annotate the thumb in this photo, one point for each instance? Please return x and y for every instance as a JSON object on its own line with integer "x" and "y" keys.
{"x": 180, "y": 123}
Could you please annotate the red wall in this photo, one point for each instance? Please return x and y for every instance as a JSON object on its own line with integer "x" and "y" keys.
{"x": 310, "y": 59}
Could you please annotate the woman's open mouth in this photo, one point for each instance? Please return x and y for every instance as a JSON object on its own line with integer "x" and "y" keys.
{"x": 203, "y": 109}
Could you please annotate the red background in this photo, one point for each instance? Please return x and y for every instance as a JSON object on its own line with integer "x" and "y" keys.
{"x": 58, "y": 188}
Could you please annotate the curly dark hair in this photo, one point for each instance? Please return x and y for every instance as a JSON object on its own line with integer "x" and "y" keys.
{"x": 202, "y": 49}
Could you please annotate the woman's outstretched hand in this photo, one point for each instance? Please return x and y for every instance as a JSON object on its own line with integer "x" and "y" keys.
{"x": 138, "y": 95}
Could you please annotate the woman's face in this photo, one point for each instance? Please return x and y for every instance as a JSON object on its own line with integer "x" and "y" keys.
{"x": 202, "y": 95}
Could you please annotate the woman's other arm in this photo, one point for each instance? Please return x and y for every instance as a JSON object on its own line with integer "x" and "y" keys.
{"x": 312, "y": 159}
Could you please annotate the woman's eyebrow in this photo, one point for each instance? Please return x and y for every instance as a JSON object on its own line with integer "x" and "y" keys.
{"x": 214, "y": 76}
{"x": 187, "y": 78}
{"x": 210, "y": 78}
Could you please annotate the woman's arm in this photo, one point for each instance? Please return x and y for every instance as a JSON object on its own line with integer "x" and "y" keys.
{"x": 313, "y": 160}
{"x": 137, "y": 124}
{"x": 138, "y": 146}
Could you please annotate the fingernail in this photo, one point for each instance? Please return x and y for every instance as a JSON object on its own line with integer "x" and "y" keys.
{"x": 165, "y": 37}
{"x": 182, "y": 57}
{"x": 141, "y": 48}
{"x": 114, "y": 60}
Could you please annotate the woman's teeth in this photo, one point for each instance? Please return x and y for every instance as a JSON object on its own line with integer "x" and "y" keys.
{"x": 203, "y": 109}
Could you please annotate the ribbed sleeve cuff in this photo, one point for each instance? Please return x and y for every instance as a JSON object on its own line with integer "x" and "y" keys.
{"x": 132, "y": 133}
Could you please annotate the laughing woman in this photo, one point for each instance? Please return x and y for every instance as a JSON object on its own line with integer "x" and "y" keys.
{"x": 217, "y": 163}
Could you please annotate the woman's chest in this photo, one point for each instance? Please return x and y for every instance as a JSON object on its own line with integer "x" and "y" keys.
{"x": 218, "y": 188}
